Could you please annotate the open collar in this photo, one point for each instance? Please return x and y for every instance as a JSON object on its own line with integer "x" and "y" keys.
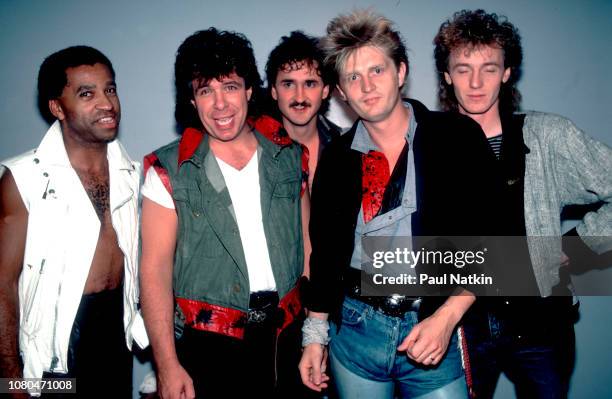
{"x": 363, "y": 143}
{"x": 52, "y": 151}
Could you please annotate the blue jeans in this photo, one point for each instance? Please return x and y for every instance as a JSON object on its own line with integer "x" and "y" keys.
{"x": 365, "y": 362}
{"x": 533, "y": 347}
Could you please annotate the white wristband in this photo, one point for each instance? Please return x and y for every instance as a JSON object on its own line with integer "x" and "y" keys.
{"x": 315, "y": 330}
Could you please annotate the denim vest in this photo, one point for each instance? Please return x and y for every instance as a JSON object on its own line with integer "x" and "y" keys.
{"x": 209, "y": 262}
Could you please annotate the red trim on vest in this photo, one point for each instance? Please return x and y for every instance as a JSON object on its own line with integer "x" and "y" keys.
{"x": 305, "y": 170}
{"x": 291, "y": 305}
{"x": 375, "y": 177}
{"x": 152, "y": 160}
{"x": 148, "y": 161}
{"x": 205, "y": 316}
{"x": 271, "y": 129}
{"x": 189, "y": 143}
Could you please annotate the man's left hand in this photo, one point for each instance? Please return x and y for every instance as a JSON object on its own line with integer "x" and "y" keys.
{"x": 428, "y": 340}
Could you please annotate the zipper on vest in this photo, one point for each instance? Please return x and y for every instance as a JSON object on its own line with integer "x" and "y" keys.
{"x": 33, "y": 296}
{"x": 127, "y": 268}
{"x": 54, "y": 358}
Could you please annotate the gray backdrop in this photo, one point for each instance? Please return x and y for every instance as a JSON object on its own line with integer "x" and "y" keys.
{"x": 566, "y": 71}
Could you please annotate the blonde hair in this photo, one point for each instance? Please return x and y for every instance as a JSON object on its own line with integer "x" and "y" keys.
{"x": 349, "y": 32}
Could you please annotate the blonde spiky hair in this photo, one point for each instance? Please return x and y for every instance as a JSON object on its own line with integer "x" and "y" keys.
{"x": 362, "y": 27}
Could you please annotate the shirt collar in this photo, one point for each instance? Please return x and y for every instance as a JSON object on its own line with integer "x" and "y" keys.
{"x": 363, "y": 143}
{"x": 53, "y": 151}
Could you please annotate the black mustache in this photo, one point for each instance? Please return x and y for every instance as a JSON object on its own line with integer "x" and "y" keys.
{"x": 300, "y": 104}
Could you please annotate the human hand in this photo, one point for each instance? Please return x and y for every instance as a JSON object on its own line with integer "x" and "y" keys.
{"x": 313, "y": 367}
{"x": 428, "y": 340}
{"x": 565, "y": 260}
{"x": 173, "y": 382}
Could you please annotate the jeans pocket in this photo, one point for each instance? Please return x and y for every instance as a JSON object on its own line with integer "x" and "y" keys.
{"x": 352, "y": 315}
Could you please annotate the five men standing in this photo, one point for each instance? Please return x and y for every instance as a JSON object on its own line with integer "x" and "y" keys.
{"x": 224, "y": 220}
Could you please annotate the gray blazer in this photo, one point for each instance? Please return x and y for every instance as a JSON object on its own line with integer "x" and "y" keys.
{"x": 564, "y": 167}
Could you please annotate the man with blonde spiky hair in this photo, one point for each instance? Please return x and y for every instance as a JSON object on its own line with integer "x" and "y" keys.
{"x": 390, "y": 175}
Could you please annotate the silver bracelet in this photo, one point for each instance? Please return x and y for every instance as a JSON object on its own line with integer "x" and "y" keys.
{"x": 315, "y": 331}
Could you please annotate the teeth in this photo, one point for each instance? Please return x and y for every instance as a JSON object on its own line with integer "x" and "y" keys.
{"x": 107, "y": 120}
{"x": 224, "y": 121}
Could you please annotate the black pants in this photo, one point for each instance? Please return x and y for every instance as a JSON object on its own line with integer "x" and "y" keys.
{"x": 98, "y": 357}
{"x": 260, "y": 365}
{"x": 533, "y": 344}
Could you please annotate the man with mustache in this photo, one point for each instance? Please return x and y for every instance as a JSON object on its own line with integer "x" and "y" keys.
{"x": 69, "y": 237}
{"x": 300, "y": 83}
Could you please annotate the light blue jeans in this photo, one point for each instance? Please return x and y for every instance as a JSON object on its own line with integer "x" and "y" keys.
{"x": 365, "y": 362}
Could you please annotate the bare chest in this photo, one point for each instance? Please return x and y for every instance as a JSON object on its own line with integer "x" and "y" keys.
{"x": 96, "y": 186}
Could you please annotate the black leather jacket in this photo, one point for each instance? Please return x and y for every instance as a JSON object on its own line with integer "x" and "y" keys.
{"x": 452, "y": 199}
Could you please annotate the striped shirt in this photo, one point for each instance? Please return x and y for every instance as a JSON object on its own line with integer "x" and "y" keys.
{"x": 496, "y": 142}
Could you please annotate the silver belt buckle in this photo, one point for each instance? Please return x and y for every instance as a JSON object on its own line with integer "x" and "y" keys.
{"x": 395, "y": 299}
{"x": 256, "y": 316}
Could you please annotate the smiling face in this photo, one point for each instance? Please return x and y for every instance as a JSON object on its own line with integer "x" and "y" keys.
{"x": 88, "y": 108}
{"x": 370, "y": 83}
{"x": 222, "y": 106}
{"x": 299, "y": 92}
{"x": 477, "y": 75}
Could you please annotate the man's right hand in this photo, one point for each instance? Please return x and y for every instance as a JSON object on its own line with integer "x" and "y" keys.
{"x": 159, "y": 230}
{"x": 173, "y": 382}
{"x": 313, "y": 366}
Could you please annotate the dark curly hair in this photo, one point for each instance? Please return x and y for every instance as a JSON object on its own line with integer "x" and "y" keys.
{"x": 295, "y": 50}
{"x": 52, "y": 73}
{"x": 212, "y": 54}
{"x": 473, "y": 29}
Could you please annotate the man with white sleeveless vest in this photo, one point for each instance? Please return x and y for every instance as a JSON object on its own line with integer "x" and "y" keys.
{"x": 69, "y": 237}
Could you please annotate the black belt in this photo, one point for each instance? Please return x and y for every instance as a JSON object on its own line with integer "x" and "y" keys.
{"x": 263, "y": 308}
{"x": 392, "y": 305}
